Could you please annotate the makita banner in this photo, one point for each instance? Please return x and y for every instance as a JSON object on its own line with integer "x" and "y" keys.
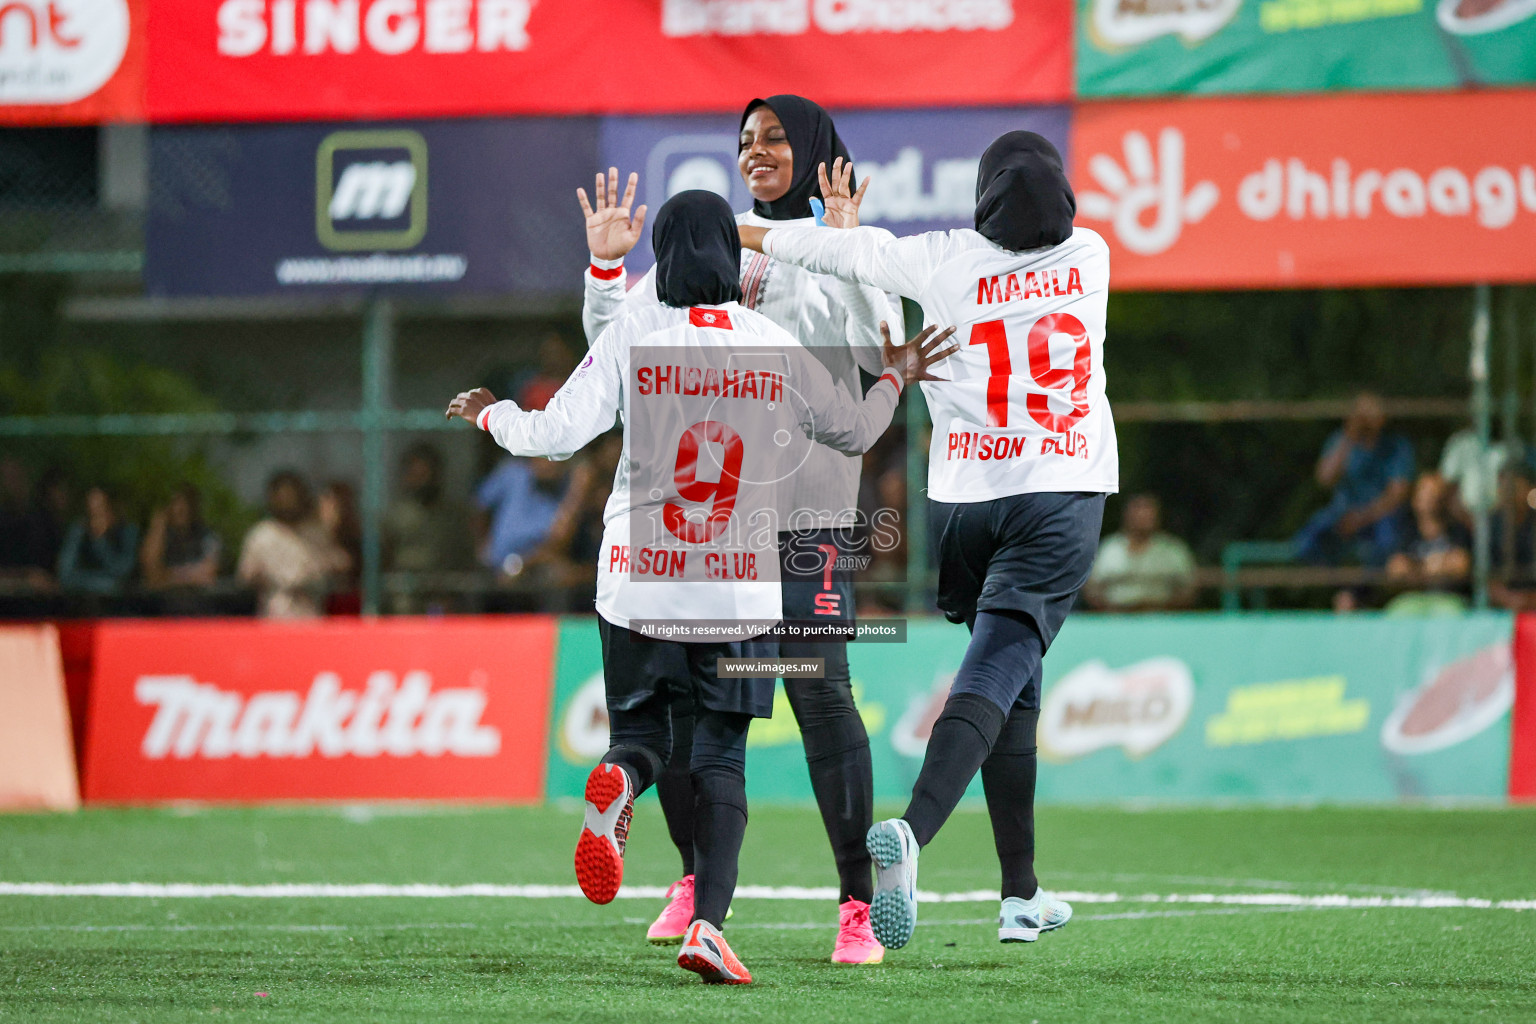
{"x": 476, "y": 205}
{"x": 921, "y": 163}
{"x": 398, "y": 709}
{"x": 218, "y": 60}
{"x": 72, "y": 61}
{"x": 1311, "y": 192}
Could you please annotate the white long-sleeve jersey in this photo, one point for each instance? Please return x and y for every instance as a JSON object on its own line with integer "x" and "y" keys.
{"x": 709, "y": 397}
{"x": 1023, "y": 406}
{"x": 838, "y": 320}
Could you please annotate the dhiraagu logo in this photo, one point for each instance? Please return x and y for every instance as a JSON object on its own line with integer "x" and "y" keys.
{"x": 371, "y": 190}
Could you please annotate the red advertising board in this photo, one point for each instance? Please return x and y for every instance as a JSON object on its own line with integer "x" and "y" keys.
{"x": 72, "y": 61}
{"x": 1522, "y": 732}
{"x": 232, "y": 60}
{"x": 1311, "y": 191}
{"x": 420, "y": 709}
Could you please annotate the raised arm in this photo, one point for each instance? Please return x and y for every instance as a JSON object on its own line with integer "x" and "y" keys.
{"x": 583, "y": 408}
{"x": 852, "y": 426}
{"x": 612, "y": 231}
{"x": 869, "y": 256}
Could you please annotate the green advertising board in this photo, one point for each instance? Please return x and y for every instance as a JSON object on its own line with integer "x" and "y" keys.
{"x": 1147, "y": 47}
{"x": 1178, "y": 708}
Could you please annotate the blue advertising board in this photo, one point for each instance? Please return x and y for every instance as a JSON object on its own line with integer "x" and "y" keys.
{"x": 922, "y": 162}
{"x": 475, "y": 205}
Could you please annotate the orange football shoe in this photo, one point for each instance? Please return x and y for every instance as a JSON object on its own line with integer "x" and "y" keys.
{"x": 600, "y": 850}
{"x": 706, "y": 953}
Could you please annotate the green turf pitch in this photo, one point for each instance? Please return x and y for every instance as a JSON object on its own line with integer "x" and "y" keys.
{"x": 73, "y": 958}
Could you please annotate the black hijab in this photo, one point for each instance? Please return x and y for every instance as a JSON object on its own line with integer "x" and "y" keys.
{"x": 1023, "y": 200}
{"x": 698, "y": 251}
{"x": 813, "y": 139}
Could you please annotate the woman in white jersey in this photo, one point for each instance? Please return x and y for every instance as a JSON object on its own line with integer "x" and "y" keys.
{"x": 1022, "y": 457}
{"x": 682, "y": 373}
{"x": 783, "y": 142}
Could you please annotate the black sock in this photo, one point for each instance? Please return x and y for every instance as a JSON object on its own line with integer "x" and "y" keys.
{"x": 674, "y": 788}
{"x": 641, "y": 764}
{"x": 842, "y": 777}
{"x": 720, "y": 823}
{"x": 1008, "y": 776}
{"x": 961, "y": 740}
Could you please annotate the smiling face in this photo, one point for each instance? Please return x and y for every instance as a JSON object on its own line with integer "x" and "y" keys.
{"x": 766, "y": 160}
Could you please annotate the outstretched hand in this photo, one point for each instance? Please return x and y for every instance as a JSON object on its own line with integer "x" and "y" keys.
{"x": 611, "y": 230}
{"x": 913, "y": 359}
{"x": 842, "y": 204}
{"x": 468, "y": 405}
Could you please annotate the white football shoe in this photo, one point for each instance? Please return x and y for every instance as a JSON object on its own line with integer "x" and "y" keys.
{"x": 893, "y": 911}
{"x": 1024, "y": 920}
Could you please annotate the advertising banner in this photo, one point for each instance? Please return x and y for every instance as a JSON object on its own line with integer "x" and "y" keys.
{"x": 1288, "y": 708}
{"x": 921, "y": 163}
{"x": 242, "y": 60}
{"x": 1327, "y": 192}
{"x": 72, "y": 61}
{"x": 1522, "y": 744}
{"x": 1131, "y": 47}
{"x": 399, "y": 709}
{"x": 481, "y": 206}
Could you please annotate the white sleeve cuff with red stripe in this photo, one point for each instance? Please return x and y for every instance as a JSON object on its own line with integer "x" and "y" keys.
{"x": 606, "y": 270}
{"x": 484, "y": 419}
{"x": 891, "y": 375}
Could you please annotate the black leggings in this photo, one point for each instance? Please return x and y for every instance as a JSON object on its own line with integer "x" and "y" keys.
{"x": 836, "y": 754}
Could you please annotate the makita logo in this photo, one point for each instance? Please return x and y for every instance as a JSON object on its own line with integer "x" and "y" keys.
{"x": 388, "y": 717}
{"x": 371, "y": 190}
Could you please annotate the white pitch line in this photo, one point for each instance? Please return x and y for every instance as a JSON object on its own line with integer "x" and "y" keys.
{"x": 192, "y": 890}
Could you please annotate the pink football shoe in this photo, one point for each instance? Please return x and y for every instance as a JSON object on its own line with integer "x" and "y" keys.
{"x": 856, "y": 943}
{"x": 668, "y": 928}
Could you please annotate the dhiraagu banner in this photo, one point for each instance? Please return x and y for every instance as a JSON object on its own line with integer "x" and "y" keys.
{"x": 1142, "y": 47}
{"x": 1180, "y": 708}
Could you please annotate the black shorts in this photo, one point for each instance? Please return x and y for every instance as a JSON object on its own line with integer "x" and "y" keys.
{"x": 1027, "y": 553}
{"x": 637, "y": 668}
{"x": 816, "y": 570}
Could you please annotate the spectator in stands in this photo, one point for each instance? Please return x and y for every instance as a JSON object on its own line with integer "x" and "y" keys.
{"x": 179, "y": 548}
{"x": 20, "y": 560}
{"x": 1436, "y": 556}
{"x": 534, "y": 390}
{"x": 525, "y": 499}
{"x": 51, "y": 507}
{"x": 424, "y": 532}
{"x": 1370, "y": 472}
{"x": 99, "y": 549}
{"x": 289, "y": 557}
{"x": 1141, "y": 568}
{"x": 1511, "y": 546}
{"x": 338, "y": 515}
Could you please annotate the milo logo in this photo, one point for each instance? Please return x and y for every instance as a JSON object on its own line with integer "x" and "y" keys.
{"x": 1137, "y": 708}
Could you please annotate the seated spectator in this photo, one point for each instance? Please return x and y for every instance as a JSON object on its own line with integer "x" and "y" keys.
{"x": 424, "y": 531}
{"x": 1473, "y": 471}
{"x": 524, "y": 499}
{"x": 1370, "y": 472}
{"x": 99, "y": 549}
{"x": 289, "y": 557}
{"x": 179, "y": 548}
{"x": 1141, "y": 568}
{"x": 1436, "y": 556}
{"x": 1511, "y": 547}
{"x": 18, "y": 552}
{"x": 337, "y": 512}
